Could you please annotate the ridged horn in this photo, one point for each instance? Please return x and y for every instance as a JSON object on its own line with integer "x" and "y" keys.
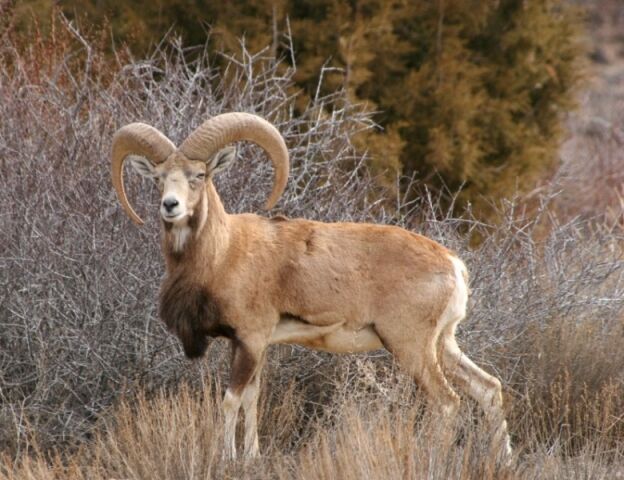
{"x": 217, "y": 132}
{"x": 141, "y": 140}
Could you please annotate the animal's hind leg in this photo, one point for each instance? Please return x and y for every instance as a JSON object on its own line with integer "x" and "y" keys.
{"x": 417, "y": 356}
{"x": 484, "y": 388}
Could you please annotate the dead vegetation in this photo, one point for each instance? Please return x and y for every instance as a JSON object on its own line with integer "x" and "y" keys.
{"x": 92, "y": 386}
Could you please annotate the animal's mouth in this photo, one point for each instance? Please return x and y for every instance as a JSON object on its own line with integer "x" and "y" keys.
{"x": 172, "y": 217}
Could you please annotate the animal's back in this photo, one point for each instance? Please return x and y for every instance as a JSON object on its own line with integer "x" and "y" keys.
{"x": 357, "y": 272}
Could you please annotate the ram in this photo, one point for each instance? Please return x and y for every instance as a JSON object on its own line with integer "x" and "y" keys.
{"x": 339, "y": 287}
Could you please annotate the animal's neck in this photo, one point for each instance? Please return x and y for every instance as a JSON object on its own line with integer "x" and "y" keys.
{"x": 180, "y": 235}
{"x": 203, "y": 239}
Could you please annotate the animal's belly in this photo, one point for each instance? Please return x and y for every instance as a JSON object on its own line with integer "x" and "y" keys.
{"x": 335, "y": 338}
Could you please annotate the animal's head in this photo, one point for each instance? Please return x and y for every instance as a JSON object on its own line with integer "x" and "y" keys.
{"x": 182, "y": 181}
{"x": 182, "y": 173}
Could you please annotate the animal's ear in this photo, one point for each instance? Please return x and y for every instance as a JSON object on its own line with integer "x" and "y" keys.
{"x": 221, "y": 160}
{"x": 143, "y": 166}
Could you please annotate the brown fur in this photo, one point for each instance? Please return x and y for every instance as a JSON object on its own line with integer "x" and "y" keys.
{"x": 341, "y": 287}
{"x": 351, "y": 286}
{"x": 243, "y": 367}
{"x": 323, "y": 273}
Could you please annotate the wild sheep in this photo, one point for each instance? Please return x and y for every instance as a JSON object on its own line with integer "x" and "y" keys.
{"x": 339, "y": 287}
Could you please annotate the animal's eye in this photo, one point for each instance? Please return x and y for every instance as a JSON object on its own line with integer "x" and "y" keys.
{"x": 200, "y": 176}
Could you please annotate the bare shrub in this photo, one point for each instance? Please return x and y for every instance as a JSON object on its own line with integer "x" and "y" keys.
{"x": 79, "y": 283}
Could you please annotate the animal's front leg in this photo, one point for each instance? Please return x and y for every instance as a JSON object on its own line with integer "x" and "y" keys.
{"x": 231, "y": 405}
{"x": 250, "y": 407}
{"x": 245, "y": 360}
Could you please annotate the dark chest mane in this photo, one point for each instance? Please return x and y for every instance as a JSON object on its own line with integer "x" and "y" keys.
{"x": 191, "y": 312}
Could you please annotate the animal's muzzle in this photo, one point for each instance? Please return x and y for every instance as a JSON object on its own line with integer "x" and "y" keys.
{"x": 169, "y": 204}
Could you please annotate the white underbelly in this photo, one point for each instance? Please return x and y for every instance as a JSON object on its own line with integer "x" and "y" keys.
{"x": 335, "y": 338}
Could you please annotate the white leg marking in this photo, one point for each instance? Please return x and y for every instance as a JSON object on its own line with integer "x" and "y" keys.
{"x": 250, "y": 408}
{"x": 483, "y": 388}
{"x": 231, "y": 405}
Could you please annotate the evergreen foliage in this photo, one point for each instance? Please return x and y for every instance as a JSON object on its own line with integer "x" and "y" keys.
{"x": 468, "y": 93}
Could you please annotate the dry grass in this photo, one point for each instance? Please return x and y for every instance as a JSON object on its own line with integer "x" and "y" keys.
{"x": 92, "y": 386}
{"x": 178, "y": 435}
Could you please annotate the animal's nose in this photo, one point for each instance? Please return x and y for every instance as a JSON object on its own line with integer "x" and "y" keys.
{"x": 170, "y": 204}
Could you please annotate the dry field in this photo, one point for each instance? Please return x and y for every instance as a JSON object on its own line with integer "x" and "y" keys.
{"x": 92, "y": 386}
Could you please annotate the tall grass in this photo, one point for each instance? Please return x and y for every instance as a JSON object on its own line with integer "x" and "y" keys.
{"x": 91, "y": 384}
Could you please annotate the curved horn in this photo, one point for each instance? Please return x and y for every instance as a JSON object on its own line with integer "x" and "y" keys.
{"x": 141, "y": 140}
{"x": 226, "y": 128}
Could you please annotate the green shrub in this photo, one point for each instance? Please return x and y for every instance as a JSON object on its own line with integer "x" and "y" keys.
{"x": 469, "y": 93}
